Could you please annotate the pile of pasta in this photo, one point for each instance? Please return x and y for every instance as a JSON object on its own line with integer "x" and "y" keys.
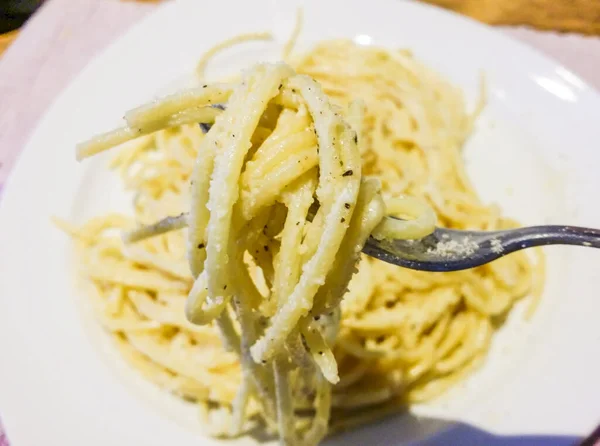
{"x": 249, "y": 299}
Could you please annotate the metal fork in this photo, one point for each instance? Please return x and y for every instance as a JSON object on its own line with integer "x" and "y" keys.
{"x": 453, "y": 250}
{"x": 443, "y": 250}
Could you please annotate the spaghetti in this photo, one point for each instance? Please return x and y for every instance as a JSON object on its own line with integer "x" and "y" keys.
{"x": 282, "y": 193}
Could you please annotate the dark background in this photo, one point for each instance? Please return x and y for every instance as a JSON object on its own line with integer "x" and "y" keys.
{"x": 13, "y": 13}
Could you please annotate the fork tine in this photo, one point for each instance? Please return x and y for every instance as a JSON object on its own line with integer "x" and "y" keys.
{"x": 205, "y": 126}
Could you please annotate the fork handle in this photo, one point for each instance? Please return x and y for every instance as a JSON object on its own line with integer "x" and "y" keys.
{"x": 528, "y": 237}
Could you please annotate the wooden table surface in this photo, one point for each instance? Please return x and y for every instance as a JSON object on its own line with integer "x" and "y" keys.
{"x": 62, "y": 37}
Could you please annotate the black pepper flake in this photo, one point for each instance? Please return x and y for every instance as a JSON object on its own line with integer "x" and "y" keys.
{"x": 321, "y": 353}
{"x": 224, "y": 287}
{"x": 293, "y": 90}
{"x": 347, "y": 205}
{"x": 304, "y": 344}
{"x": 204, "y": 86}
{"x": 200, "y": 245}
{"x": 343, "y": 220}
{"x": 263, "y": 361}
{"x": 266, "y": 248}
{"x": 280, "y": 85}
{"x": 380, "y": 339}
{"x": 348, "y": 173}
{"x": 316, "y": 318}
{"x": 233, "y": 135}
{"x": 355, "y": 139}
{"x": 297, "y": 223}
{"x": 389, "y": 304}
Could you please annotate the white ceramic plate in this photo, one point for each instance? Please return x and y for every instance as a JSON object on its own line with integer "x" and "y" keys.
{"x": 534, "y": 152}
